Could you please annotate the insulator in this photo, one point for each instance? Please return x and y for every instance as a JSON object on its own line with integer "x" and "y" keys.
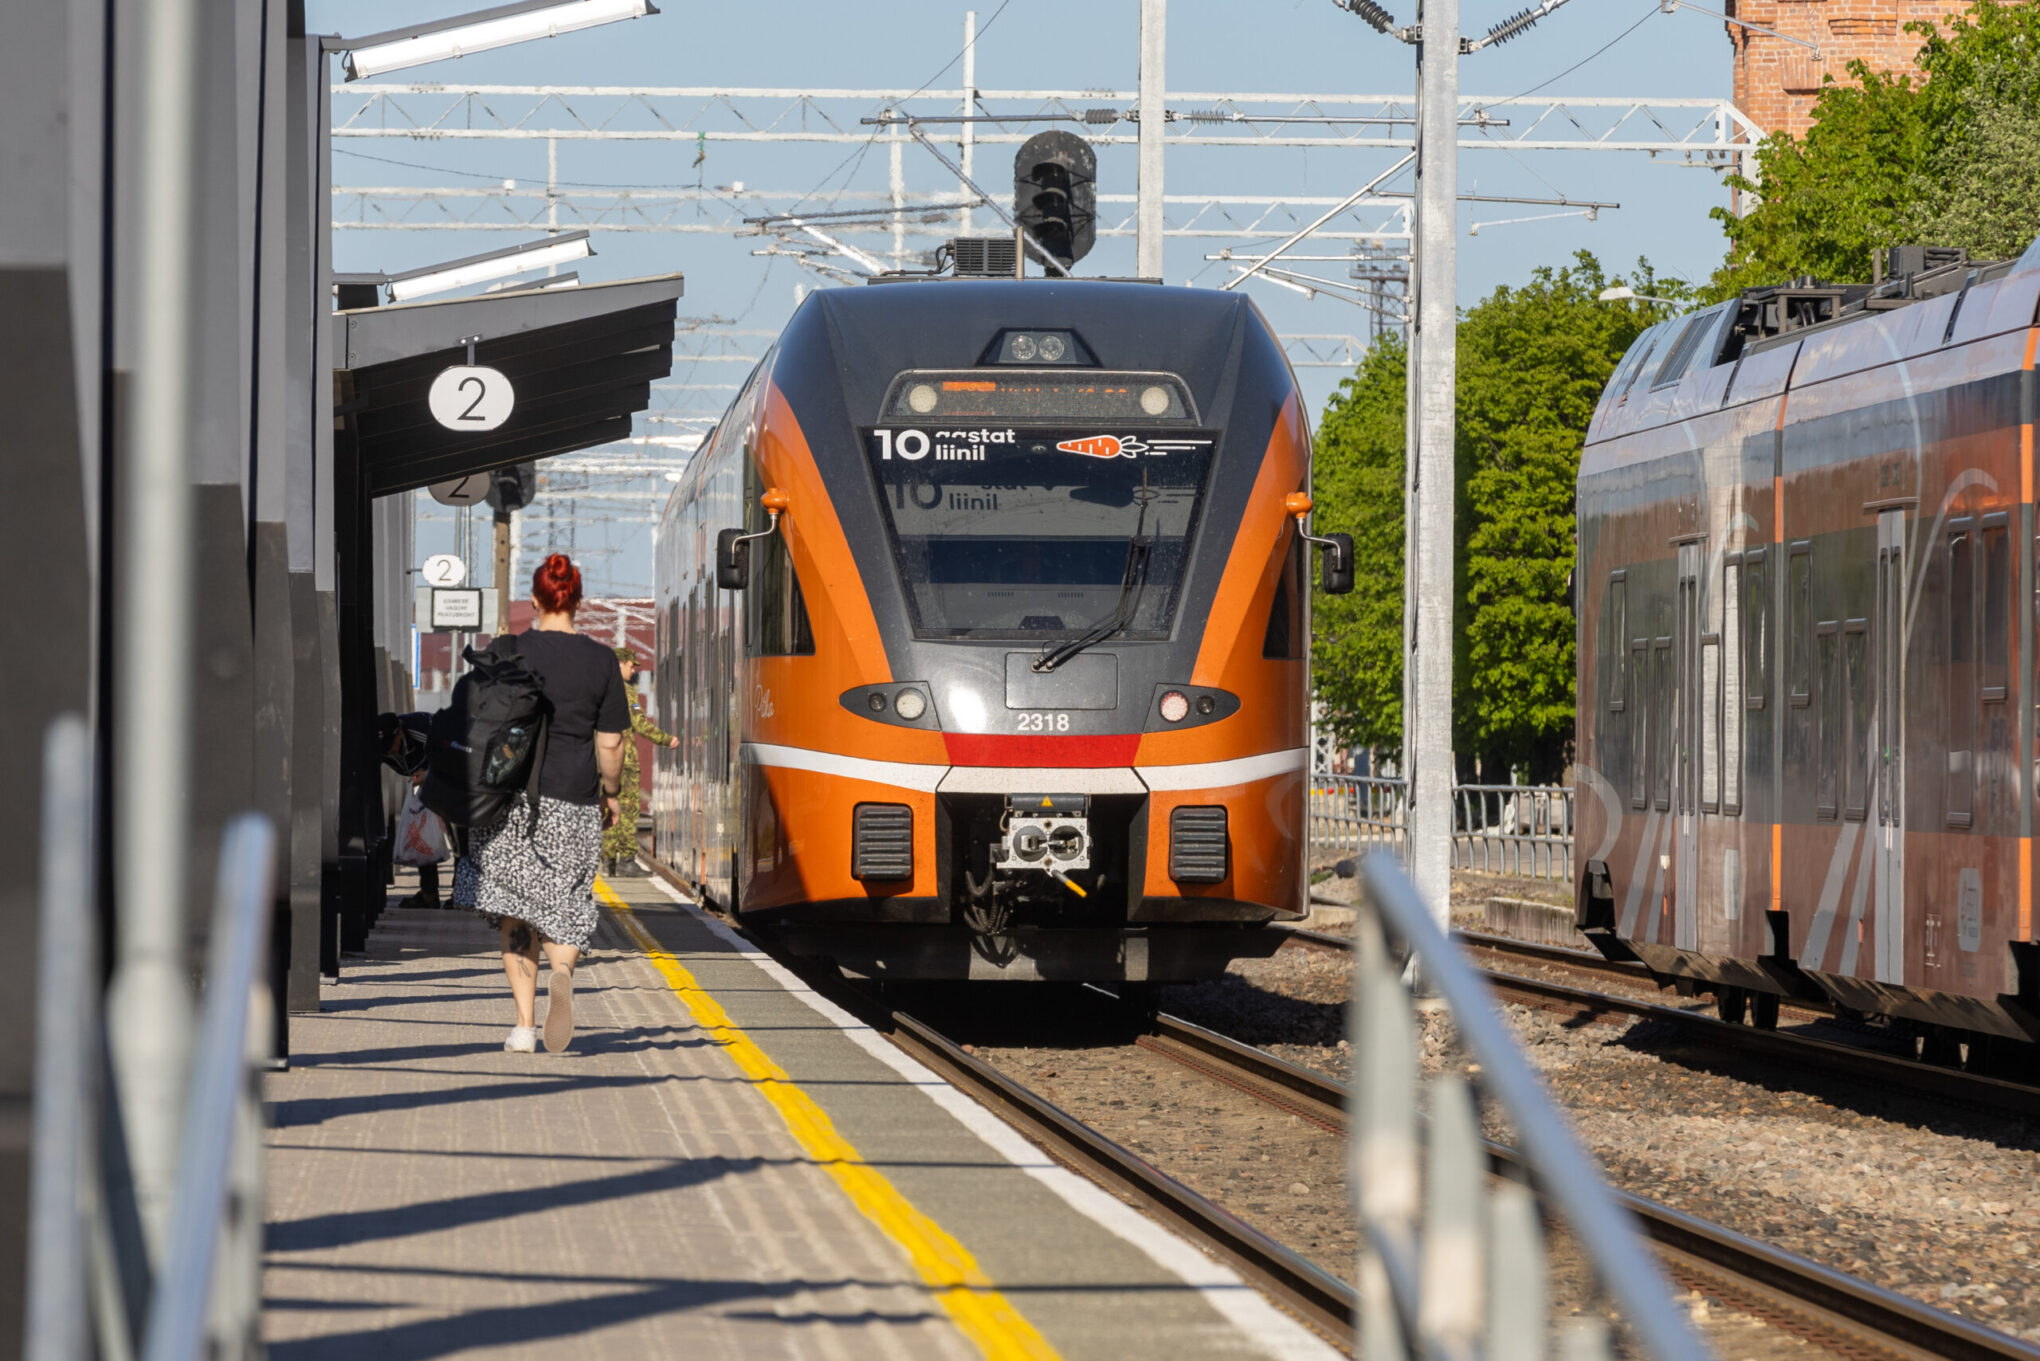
{"x": 1377, "y": 17}
{"x": 1514, "y": 24}
{"x": 1096, "y": 117}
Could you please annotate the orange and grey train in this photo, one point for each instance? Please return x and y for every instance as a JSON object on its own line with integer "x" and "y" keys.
{"x": 1806, "y": 744}
{"x": 984, "y": 621}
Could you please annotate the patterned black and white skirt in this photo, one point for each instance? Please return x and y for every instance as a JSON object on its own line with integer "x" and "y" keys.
{"x": 546, "y": 879}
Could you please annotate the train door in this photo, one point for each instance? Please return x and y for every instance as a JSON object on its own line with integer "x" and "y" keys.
{"x": 1887, "y": 640}
{"x": 1686, "y": 737}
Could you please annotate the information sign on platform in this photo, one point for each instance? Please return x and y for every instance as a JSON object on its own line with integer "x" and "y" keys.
{"x": 471, "y": 397}
{"x": 456, "y": 609}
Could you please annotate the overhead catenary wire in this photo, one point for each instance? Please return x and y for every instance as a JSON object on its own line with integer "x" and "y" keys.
{"x": 1583, "y": 60}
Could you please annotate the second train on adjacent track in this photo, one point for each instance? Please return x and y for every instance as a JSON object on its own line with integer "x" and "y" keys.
{"x": 1807, "y": 667}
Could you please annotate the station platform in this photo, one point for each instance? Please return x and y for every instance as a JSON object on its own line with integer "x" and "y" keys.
{"x": 724, "y": 1164}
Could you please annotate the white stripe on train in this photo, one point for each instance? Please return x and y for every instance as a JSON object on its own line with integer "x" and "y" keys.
{"x": 1011, "y": 779}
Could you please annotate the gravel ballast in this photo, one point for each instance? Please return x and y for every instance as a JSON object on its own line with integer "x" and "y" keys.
{"x": 1908, "y": 1193}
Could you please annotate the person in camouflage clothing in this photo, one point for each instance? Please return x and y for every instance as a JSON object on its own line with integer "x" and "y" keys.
{"x": 619, "y": 841}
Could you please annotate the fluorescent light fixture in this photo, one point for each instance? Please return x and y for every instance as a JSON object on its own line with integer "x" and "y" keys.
{"x": 568, "y": 280}
{"x": 397, "y": 49}
{"x": 496, "y": 264}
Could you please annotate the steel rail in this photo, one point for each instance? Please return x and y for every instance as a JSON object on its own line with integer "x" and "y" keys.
{"x": 1324, "y": 1302}
{"x": 1839, "y": 1060}
{"x": 1767, "y": 1281}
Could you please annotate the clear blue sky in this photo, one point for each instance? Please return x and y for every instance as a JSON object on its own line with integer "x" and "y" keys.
{"x": 1305, "y": 46}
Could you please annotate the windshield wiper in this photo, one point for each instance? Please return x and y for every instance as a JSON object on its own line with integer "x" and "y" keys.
{"x": 1139, "y": 550}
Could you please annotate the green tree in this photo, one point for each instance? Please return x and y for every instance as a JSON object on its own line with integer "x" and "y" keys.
{"x": 1889, "y": 160}
{"x": 1357, "y": 482}
{"x": 1532, "y": 363}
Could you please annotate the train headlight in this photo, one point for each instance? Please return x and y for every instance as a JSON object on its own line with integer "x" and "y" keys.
{"x": 1154, "y": 401}
{"x": 1053, "y": 347}
{"x": 1175, "y": 706}
{"x": 909, "y": 704}
{"x": 875, "y": 702}
{"x": 922, "y": 397}
{"x": 1023, "y": 348}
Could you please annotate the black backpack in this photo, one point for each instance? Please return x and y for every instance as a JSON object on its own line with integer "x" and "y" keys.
{"x": 488, "y": 744}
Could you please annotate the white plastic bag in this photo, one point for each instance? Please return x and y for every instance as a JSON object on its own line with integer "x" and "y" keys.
{"x": 421, "y": 836}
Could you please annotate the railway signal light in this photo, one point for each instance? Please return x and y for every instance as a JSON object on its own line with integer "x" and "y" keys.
{"x": 514, "y": 487}
{"x": 1055, "y": 194}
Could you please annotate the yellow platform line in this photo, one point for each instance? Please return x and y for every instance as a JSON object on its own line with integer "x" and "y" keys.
{"x": 984, "y": 1315}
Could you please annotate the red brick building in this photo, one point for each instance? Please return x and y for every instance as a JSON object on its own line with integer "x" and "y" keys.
{"x": 1776, "y": 81}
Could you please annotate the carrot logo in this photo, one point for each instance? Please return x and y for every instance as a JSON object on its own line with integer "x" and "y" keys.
{"x": 1097, "y": 446}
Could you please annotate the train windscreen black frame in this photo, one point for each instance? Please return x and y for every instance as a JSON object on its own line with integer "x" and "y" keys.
{"x": 1016, "y": 533}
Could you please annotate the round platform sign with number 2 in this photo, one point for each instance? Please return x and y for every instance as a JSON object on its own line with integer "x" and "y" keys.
{"x": 471, "y": 397}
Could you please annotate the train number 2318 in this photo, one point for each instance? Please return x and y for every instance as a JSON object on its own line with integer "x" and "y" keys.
{"x": 1041, "y": 722}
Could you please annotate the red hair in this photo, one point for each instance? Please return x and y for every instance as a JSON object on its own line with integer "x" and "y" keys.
{"x": 556, "y": 585}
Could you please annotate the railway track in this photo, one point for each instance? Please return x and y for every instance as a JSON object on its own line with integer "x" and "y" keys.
{"x": 1709, "y": 1035}
{"x": 1829, "y": 1308}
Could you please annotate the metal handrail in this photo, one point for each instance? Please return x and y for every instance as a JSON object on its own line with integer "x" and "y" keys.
{"x": 221, "y": 1087}
{"x": 66, "y": 1050}
{"x": 1440, "y": 1275}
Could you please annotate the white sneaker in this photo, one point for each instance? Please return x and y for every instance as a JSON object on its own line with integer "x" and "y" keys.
{"x": 523, "y": 1040}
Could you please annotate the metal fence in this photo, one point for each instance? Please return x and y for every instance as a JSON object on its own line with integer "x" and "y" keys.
{"x": 1453, "y": 1264}
{"x": 106, "y": 1277}
{"x": 1515, "y": 829}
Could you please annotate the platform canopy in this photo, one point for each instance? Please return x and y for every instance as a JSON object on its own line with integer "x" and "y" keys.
{"x": 581, "y": 361}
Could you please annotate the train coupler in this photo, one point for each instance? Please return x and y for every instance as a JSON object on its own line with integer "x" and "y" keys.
{"x": 1046, "y": 832}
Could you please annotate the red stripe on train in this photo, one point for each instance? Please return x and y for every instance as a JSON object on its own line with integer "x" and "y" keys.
{"x": 985, "y": 749}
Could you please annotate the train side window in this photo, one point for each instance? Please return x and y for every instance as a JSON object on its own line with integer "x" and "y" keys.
{"x": 1614, "y": 635}
{"x": 1646, "y": 347}
{"x": 1756, "y": 622}
{"x": 1731, "y": 683}
{"x": 1827, "y": 719}
{"x": 1856, "y": 719}
{"x": 775, "y": 609}
{"x": 1959, "y": 707}
{"x": 1997, "y": 607}
{"x": 1799, "y": 624}
{"x": 1661, "y": 723}
{"x": 1284, "y": 637}
{"x": 1643, "y": 733}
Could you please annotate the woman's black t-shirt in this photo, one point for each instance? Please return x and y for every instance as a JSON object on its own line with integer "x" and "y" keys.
{"x": 585, "y": 686}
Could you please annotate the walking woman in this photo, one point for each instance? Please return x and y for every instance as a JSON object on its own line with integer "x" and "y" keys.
{"x": 536, "y": 883}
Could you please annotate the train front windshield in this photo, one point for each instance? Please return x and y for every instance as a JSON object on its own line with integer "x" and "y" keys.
{"x": 1038, "y": 533}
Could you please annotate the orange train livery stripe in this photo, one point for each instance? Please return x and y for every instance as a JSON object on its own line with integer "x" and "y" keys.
{"x": 786, "y": 459}
{"x": 1253, "y": 566}
{"x": 1777, "y": 868}
{"x": 2025, "y": 888}
{"x": 2026, "y": 430}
